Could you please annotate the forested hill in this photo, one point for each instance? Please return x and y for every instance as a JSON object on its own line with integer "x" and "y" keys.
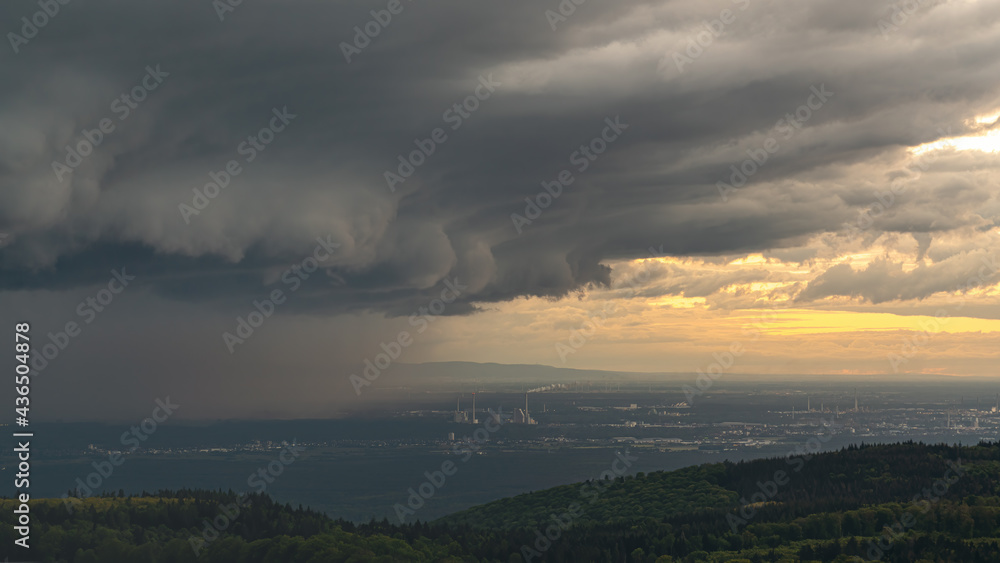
{"x": 202, "y": 527}
{"x": 941, "y": 503}
{"x": 904, "y": 502}
{"x": 850, "y": 478}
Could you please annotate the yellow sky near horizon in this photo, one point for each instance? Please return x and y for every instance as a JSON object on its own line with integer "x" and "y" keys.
{"x": 622, "y": 328}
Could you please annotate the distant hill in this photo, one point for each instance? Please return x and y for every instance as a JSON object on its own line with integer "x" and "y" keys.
{"x": 491, "y": 373}
{"x": 470, "y": 374}
{"x": 900, "y": 503}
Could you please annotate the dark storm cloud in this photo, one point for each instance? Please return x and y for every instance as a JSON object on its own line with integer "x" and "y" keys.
{"x": 323, "y": 173}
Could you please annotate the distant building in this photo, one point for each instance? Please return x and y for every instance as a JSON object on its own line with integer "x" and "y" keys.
{"x": 521, "y": 417}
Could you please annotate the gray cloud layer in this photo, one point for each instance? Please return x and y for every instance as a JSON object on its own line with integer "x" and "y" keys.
{"x": 323, "y": 174}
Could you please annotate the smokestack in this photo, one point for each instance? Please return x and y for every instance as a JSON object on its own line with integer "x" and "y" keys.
{"x": 526, "y": 417}
{"x": 473, "y": 408}
{"x": 855, "y": 399}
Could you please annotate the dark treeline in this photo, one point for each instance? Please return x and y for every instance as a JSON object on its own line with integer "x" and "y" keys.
{"x": 902, "y": 502}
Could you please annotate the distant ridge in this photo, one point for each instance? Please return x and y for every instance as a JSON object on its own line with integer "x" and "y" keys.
{"x": 491, "y": 372}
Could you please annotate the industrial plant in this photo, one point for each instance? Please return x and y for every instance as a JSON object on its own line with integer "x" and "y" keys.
{"x": 517, "y": 416}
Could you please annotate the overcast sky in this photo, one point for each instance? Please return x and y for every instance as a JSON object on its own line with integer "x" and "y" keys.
{"x": 829, "y": 167}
